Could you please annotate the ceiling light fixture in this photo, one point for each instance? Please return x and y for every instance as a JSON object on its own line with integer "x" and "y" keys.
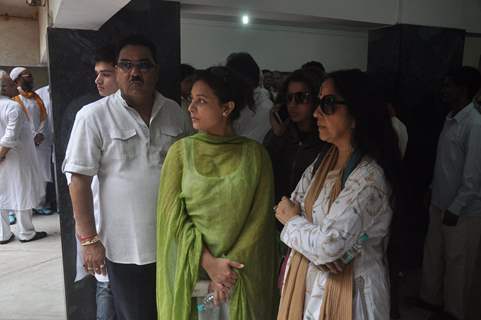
{"x": 36, "y": 3}
{"x": 245, "y": 19}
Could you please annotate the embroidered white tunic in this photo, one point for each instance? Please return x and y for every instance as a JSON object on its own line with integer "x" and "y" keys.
{"x": 21, "y": 181}
{"x": 362, "y": 206}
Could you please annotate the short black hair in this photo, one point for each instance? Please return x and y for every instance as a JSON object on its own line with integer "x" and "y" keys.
{"x": 316, "y": 65}
{"x": 186, "y": 71}
{"x": 137, "y": 40}
{"x": 468, "y": 78}
{"x": 105, "y": 54}
{"x": 228, "y": 85}
{"x": 245, "y": 65}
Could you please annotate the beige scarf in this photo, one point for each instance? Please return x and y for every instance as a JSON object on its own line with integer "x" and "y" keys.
{"x": 337, "y": 298}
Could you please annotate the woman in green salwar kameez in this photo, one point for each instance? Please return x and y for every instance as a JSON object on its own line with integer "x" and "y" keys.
{"x": 214, "y": 216}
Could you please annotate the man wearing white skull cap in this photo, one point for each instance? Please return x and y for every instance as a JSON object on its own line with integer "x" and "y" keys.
{"x": 21, "y": 183}
{"x": 36, "y": 110}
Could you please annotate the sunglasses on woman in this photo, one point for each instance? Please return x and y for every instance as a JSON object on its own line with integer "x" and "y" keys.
{"x": 328, "y": 104}
{"x": 298, "y": 97}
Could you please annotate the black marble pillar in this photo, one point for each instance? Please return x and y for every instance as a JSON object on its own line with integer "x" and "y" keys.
{"x": 71, "y": 73}
{"x": 414, "y": 61}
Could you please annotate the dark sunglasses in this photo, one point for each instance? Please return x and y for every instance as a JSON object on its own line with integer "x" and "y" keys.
{"x": 144, "y": 66}
{"x": 328, "y": 104}
{"x": 298, "y": 97}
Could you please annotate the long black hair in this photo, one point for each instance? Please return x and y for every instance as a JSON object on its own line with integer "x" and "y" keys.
{"x": 227, "y": 86}
{"x": 373, "y": 134}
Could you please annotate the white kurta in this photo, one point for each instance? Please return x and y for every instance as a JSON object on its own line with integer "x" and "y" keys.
{"x": 255, "y": 125}
{"x": 362, "y": 206}
{"x": 110, "y": 139}
{"x": 21, "y": 181}
{"x": 44, "y": 150}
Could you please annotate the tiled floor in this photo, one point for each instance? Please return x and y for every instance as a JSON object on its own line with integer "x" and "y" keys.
{"x": 31, "y": 278}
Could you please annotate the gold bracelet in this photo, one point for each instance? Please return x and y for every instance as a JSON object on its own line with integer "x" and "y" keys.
{"x": 89, "y": 242}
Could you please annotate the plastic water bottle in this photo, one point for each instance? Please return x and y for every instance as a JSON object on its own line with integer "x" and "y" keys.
{"x": 355, "y": 250}
{"x": 207, "y": 303}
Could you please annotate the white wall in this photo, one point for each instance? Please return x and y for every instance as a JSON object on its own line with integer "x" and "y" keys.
{"x": 460, "y": 14}
{"x": 205, "y": 43}
{"x": 472, "y": 51}
{"x": 43, "y": 23}
{"x": 19, "y": 42}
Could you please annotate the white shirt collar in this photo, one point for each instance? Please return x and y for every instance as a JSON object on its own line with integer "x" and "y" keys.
{"x": 159, "y": 102}
{"x": 461, "y": 115}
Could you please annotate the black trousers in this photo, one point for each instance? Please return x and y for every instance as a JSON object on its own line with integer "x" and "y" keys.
{"x": 133, "y": 290}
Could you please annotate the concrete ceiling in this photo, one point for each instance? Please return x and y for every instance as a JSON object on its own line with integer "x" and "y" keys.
{"x": 91, "y": 14}
{"x": 85, "y": 14}
{"x": 212, "y": 13}
{"x": 17, "y": 8}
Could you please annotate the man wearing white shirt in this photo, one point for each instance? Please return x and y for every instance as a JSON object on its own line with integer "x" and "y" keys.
{"x": 36, "y": 111}
{"x": 252, "y": 123}
{"x": 21, "y": 183}
{"x": 454, "y": 232}
{"x": 50, "y": 204}
{"x": 123, "y": 139}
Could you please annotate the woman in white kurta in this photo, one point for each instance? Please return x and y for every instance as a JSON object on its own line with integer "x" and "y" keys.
{"x": 362, "y": 207}
{"x": 352, "y": 192}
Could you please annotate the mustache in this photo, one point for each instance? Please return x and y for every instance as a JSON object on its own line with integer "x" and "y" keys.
{"x": 136, "y": 79}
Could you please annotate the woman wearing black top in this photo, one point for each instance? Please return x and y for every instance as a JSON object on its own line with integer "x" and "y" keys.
{"x": 293, "y": 143}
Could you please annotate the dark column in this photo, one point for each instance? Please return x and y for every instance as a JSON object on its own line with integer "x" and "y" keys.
{"x": 71, "y": 72}
{"x": 415, "y": 60}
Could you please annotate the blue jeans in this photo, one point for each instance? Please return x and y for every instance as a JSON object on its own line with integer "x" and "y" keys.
{"x": 105, "y": 302}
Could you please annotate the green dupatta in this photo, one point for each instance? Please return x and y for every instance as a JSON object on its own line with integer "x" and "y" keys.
{"x": 218, "y": 192}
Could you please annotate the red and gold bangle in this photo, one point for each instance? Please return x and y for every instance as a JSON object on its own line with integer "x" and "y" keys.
{"x": 91, "y": 241}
